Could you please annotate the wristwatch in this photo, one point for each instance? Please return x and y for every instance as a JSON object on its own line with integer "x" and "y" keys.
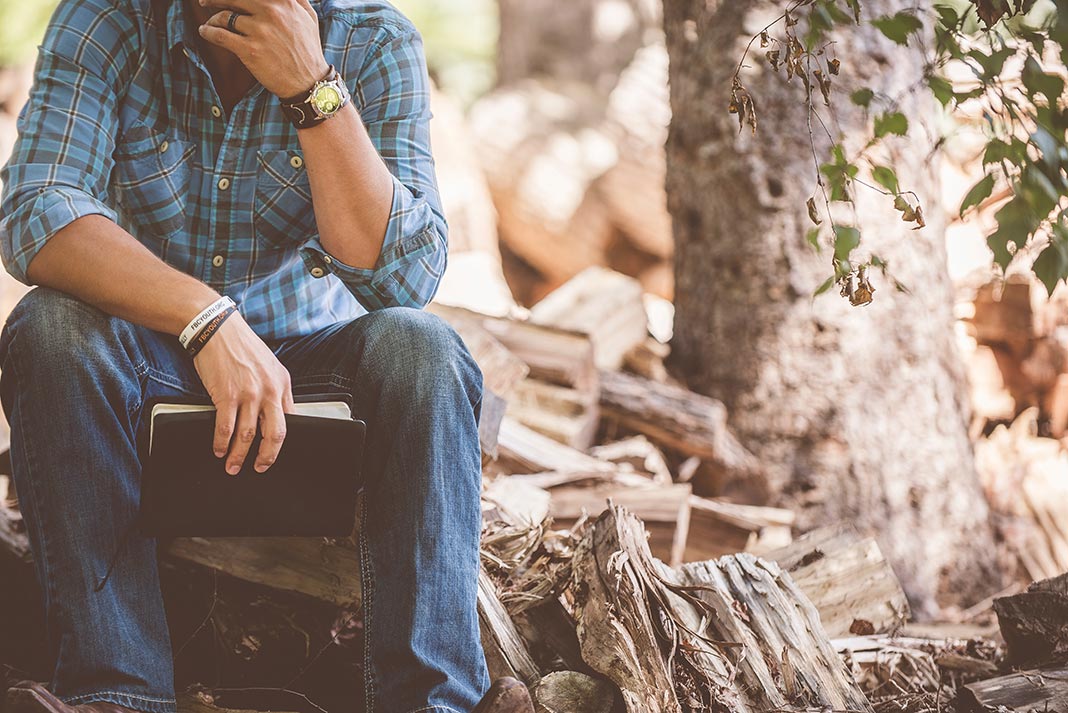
{"x": 318, "y": 104}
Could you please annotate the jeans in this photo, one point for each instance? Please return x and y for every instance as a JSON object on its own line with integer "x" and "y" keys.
{"x": 72, "y": 384}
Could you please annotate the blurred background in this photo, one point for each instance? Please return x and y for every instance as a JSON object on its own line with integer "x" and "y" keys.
{"x": 933, "y": 419}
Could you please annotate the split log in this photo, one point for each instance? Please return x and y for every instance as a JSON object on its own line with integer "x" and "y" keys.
{"x": 566, "y": 415}
{"x": 549, "y": 632}
{"x": 475, "y": 280}
{"x": 1034, "y": 623}
{"x": 1023, "y": 692}
{"x": 720, "y": 528}
{"x": 506, "y": 653}
{"x": 602, "y": 303}
{"x": 847, "y": 578}
{"x": 573, "y": 692}
{"x": 524, "y": 450}
{"x": 557, "y": 356}
{"x": 785, "y": 660}
{"x": 664, "y": 510}
{"x": 637, "y": 453}
{"x": 674, "y": 417}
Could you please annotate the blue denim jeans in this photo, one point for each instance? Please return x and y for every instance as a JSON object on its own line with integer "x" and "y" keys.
{"x": 73, "y": 383}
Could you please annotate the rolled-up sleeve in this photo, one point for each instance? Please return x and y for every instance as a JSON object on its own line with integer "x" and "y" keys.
{"x": 395, "y": 93}
{"x": 62, "y": 158}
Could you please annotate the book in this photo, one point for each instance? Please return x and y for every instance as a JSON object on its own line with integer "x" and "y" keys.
{"x": 310, "y": 490}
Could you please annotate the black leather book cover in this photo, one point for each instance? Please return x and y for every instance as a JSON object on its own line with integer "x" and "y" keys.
{"x": 309, "y": 491}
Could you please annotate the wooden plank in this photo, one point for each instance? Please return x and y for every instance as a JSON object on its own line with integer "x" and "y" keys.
{"x": 566, "y": 415}
{"x": 664, "y": 510}
{"x": 1036, "y": 691}
{"x": 847, "y": 578}
{"x": 602, "y": 303}
{"x": 675, "y": 418}
{"x": 524, "y": 450}
{"x": 506, "y": 652}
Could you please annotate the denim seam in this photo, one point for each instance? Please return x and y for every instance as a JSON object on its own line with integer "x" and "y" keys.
{"x": 332, "y": 379}
{"x": 167, "y": 380}
{"x": 367, "y": 592}
{"x": 44, "y": 555}
{"x": 83, "y": 696}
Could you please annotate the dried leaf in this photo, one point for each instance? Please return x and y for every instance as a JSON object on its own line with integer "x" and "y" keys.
{"x": 833, "y": 66}
{"x": 813, "y": 214}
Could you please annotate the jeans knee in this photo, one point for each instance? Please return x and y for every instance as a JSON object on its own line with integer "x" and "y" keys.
{"x": 415, "y": 348}
{"x": 48, "y": 326}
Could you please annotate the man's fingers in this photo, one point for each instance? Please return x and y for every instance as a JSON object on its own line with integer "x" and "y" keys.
{"x": 273, "y": 430}
{"x": 246, "y": 6}
{"x": 244, "y": 433}
{"x": 223, "y": 37}
{"x": 225, "y": 415}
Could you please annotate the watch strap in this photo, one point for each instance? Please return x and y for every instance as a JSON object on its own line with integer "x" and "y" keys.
{"x": 301, "y": 110}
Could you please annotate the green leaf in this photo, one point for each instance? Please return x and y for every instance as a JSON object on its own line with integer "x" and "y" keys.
{"x": 978, "y": 193}
{"x": 992, "y": 63}
{"x": 1051, "y": 265}
{"x": 826, "y": 285}
{"x": 813, "y": 238}
{"x": 846, "y": 238}
{"x": 898, "y": 27}
{"x": 885, "y": 177}
{"x": 854, "y": 5}
{"x": 1038, "y": 82}
{"x": 941, "y": 88}
{"x": 862, "y": 97}
{"x": 1014, "y": 151}
{"x": 948, "y": 17}
{"x": 893, "y": 122}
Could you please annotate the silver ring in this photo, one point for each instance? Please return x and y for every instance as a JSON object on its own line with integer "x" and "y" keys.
{"x": 231, "y": 21}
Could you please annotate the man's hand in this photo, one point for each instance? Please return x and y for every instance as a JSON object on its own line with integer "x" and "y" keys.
{"x": 277, "y": 40}
{"x": 249, "y": 387}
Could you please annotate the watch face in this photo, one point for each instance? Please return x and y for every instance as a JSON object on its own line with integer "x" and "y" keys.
{"x": 327, "y": 99}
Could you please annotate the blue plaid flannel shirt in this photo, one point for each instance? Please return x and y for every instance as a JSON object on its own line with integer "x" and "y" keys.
{"x": 123, "y": 121}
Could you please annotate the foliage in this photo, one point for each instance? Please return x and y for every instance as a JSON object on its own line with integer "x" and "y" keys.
{"x": 1026, "y": 156}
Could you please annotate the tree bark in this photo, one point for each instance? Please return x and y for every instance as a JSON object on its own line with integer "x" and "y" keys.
{"x": 854, "y": 413}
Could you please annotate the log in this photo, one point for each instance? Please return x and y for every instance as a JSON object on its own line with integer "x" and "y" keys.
{"x": 524, "y": 450}
{"x": 848, "y": 580}
{"x": 573, "y": 692}
{"x": 1034, "y": 623}
{"x": 638, "y": 454}
{"x": 602, "y": 303}
{"x": 506, "y": 653}
{"x": 786, "y": 660}
{"x": 566, "y": 415}
{"x": 557, "y": 356}
{"x": 720, "y": 528}
{"x": 1025, "y": 691}
{"x": 675, "y": 418}
{"x": 611, "y": 580}
{"x": 664, "y": 510}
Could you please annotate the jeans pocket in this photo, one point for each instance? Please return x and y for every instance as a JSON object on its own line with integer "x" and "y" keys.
{"x": 283, "y": 216}
{"x": 152, "y": 172}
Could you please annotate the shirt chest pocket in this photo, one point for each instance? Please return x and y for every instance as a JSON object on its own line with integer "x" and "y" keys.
{"x": 151, "y": 181}
{"x": 282, "y": 215}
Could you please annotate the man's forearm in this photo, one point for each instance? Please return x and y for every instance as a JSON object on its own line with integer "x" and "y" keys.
{"x": 352, "y": 189}
{"x": 98, "y": 262}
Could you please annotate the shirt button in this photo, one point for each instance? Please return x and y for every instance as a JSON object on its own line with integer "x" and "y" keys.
{"x": 317, "y": 272}
{"x": 327, "y": 259}
{"x": 224, "y": 183}
{"x": 163, "y": 147}
{"x": 296, "y": 162}
{"x": 218, "y": 261}
{"x": 216, "y": 111}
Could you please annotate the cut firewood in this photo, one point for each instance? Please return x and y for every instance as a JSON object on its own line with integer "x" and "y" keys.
{"x": 664, "y": 510}
{"x": 602, "y": 303}
{"x": 501, "y": 369}
{"x": 558, "y": 356}
{"x": 785, "y": 659}
{"x": 720, "y": 528}
{"x": 638, "y": 453}
{"x": 506, "y": 653}
{"x": 1035, "y": 691}
{"x": 566, "y": 415}
{"x": 1034, "y": 623}
{"x": 675, "y": 418}
{"x": 573, "y": 692}
{"x": 847, "y": 578}
{"x": 524, "y": 450}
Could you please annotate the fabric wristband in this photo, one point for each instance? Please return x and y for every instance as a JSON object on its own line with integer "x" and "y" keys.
{"x": 197, "y": 342}
{"x": 201, "y": 319}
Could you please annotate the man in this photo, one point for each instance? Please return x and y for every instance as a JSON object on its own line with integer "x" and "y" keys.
{"x": 174, "y": 153}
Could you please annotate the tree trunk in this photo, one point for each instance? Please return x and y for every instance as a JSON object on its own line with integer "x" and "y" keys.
{"x": 854, "y": 413}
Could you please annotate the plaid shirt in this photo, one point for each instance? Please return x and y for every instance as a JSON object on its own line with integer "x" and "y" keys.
{"x": 123, "y": 121}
